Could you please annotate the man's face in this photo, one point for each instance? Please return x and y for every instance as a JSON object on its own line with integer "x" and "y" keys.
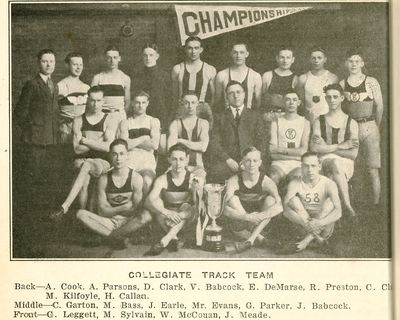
{"x": 140, "y": 105}
{"x": 252, "y": 162}
{"x": 113, "y": 59}
{"x": 292, "y": 102}
{"x": 178, "y": 160}
{"x": 235, "y": 94}
{"x": 95, "y": 102}
{"x": 239, "y": 54}
{"x": 285, "y": 59}
{"x": 75, "y": 66}
{"x": 310, "y": 167}
{"x": 334, "y": 99}
{"x": 354, "y": 64}
{"x": 150, "y": 57}
{"x": 193, "y": 50}
{"x": 190, "y": 103}
{"x": 119, "y": 156}
{"x": 47, "y": 64}
{"x": 317, "y": 60}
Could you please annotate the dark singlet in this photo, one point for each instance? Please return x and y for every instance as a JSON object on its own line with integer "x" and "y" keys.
{"x": 194, "y": 138}
{"x": 65, "y": 102}
{"x": 355, "y": 91}
{"x": 334, "y": 132}
{"x": 244, "y": 84}
{"x": 356, "y": 98}
{"x": 174, "y": 196}
{"x": 124, "y": 193}
{"x": 97, "y": 127}
{"x": 113, "y": 90}
{"x": 199, "y": 81}
{"x": 138, "y": 132}
{"x": 251, "y": 198}
{"x": 280, "y": 84}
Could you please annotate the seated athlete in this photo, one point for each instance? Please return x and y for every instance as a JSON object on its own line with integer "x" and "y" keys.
{"x": 312, "y": 203}
{"x": 190, "y": 131}
{"x": 240, "y": 72}
{"x": 335, "y": 139}
{"x": 289, "y": 140}
{"x": 115, "y": 84}
{"x": 252, "y": 200}
{"x": 72, "y": 95}
{"x": 92, "y": 134}
{"x": 310, "y": 86}
{"x": 171, "y": 199}
{"x": 275, "y": 83}
{"x": 119, "y": 193}
{"x": 142, "y": 132}
{"x": 364, "y": 104}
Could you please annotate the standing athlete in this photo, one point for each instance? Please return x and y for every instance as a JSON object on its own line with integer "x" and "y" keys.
{"x": 365, "y": 105}
{"x": 312, "y": 203}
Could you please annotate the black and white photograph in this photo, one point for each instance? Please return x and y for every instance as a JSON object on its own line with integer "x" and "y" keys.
{"x": 199, "y": 130}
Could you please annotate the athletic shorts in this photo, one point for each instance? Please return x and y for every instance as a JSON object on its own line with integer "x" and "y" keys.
{"x": 101, "y": 225}
{"x": 97, "y": 166}
{"x": 345, "y": 164}
{"x": 141, "y": 160}
{"x": 286, "y": 165}
{"x": 369, "y": 137}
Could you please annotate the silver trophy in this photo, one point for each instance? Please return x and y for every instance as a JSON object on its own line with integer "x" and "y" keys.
{"x": 215, "y": 201}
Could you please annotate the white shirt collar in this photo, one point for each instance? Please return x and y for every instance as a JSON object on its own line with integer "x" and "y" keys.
{"x": 44, "y": 77}
{"x": 234, "y": 110}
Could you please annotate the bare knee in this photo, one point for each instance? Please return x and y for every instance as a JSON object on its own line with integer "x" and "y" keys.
{"x": 335, "y": 167}
{"x": 81, "y": 214}
{"x": 275, "y": 176}
{"x": 269, "y": 201}
{"x": 294, "y": 202}
{"x": 145, "y": 217}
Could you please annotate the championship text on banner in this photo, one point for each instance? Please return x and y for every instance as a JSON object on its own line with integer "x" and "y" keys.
{"x": 208, "y": 21}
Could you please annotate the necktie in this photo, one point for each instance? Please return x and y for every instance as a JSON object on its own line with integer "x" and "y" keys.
{"x": 237, "y": 117}
{"x": 50, "y": 85}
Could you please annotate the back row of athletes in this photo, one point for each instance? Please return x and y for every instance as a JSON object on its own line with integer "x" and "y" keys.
{"x": 235, "y": 128}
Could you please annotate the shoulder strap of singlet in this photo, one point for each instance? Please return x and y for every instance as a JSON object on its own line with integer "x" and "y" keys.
{"x": 247, "y": 75}
{"x": 183, "y": 130}
{"x": 229, "y": 75}
{"x": 322, "y": 125}
{"x": 347, "y": 131}
{"x": 195, "y": 132}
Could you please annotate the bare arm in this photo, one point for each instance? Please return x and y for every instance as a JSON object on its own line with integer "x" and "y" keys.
{"x": 172, "y": 134}
{"x": 351, "y": 144}
{"x": 257, "y": 91}
{"x": 155, "y": 133}
{"x": 105, "y": 209}
{"x": 137, "y": 187}
{"x": 378, "y": 100}
{"x": 153, "y": 201}
{"x": 269, "y": 187}
{"x": 299, "y": 88}
{"x": 318, "y": 144}
{"x": 77, "y": 136}
{"x": 127, "y": 89}
{"x": 211, "y": 87}
{"x": 108, "y": 136}
{"x": 219, "y": 91}
{"x": 201, "y": 145}
{"x": 175, "y": 85}
{"x": 95, "y": 81}
{"x": 234, "y": 202}
{"x": 124, "y": 134}
{"x": 336, "y": 213}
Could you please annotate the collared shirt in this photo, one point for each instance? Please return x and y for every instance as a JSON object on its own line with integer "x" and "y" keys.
{"x": 44, "y": 77}
{"x": 234, "y": 110}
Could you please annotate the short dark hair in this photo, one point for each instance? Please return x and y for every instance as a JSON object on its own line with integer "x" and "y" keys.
{"x": 95, "y": 89}
{"x": 246, "y": 151}
{"x": 232, "y": 83}
{"x": 318, "y": 48}
{"x": 289, "y": 92}
{"x": 141, "y": 94}
{"x": 284, "y": 47}
{"x": 334, "y": 86}
{"x": 151, "y": 46}
{"x": 72, "y": 55}
{"x": 237, "y": 43}
{"x": 193, "y": 38}
{"x": 190, "y": 93}
{"x": 43, "y": 52}
{"x": 112, "y": 48}
{"x": 178, "y": 147}
{"x": 117, "y": 142}
{"x": 353, "y": 52}
{"x": 309, "y": 154}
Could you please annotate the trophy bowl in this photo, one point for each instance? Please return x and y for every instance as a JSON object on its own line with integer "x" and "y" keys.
{"x": 214, "y": 199}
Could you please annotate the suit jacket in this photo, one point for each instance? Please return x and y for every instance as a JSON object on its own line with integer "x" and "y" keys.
{"x": 229, "y": 141}
{"x": 37, "y": 113}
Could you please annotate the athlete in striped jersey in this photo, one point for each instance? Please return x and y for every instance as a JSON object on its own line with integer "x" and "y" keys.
{"x": 335, "y": 139}
{"x": 252, "y": 199}
{"x": 115, "y": 84}
{"x": 238, "y": 71}
{"x": 312, "y": 202}
{"x": 194, "y": 75}
{"x": 72, "y": 95}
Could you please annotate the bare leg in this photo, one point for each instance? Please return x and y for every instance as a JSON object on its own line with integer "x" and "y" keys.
{"x": 98, "y": 224}
{"x": 376, "y": 184}
{"x": 255, "y": 234}
{"x": 276, "y": 174}
{"x": 148, "y": 178}
{"x": 132, "y": 225}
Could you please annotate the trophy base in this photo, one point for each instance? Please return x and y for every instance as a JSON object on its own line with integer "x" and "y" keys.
{"x": 213, "y": 240}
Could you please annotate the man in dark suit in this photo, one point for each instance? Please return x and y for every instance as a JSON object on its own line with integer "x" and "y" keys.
{"x": 37, "y": 114}
{"x": 236, "y": 129}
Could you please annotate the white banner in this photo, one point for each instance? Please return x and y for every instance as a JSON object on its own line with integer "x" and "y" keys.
{"x": 208, "y": 21}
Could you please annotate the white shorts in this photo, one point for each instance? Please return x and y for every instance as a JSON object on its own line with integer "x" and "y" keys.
{"x": 140, "y": 160}
{"x": 286, "y": 165}
{"x": 347, "y": 165}
{"x": 101, "y": 225}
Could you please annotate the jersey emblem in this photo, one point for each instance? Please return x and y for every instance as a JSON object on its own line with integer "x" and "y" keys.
{"x": 119, "y": 199}
{"x": 290, "y": 133}
{"x": 355, "y": 97}
{"x": 316, "y": 99}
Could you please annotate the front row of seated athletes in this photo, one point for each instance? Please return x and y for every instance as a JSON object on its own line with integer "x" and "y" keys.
{"x": 128, "y": 196}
